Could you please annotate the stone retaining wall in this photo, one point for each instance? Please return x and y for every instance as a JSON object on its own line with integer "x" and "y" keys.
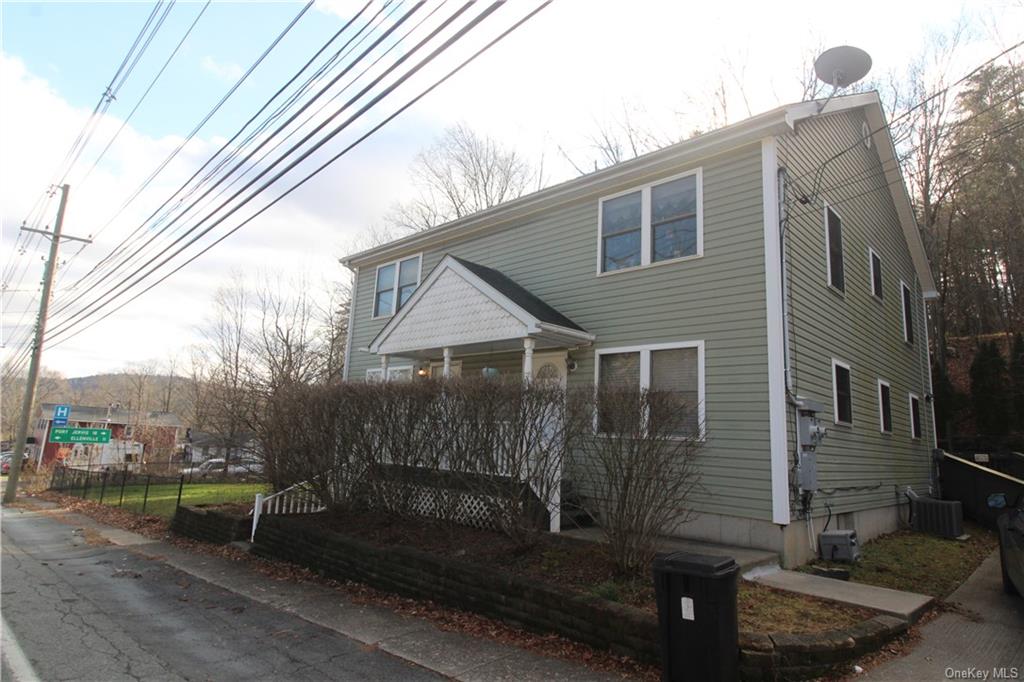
{"x": 603, "y": 624}
{"x": 210, "y": 525}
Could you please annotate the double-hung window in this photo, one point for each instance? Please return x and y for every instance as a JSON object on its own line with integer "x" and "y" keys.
{"x": 652, "y": 224}
{"x": 834, "y": 249}
{"x": 675, "y": 370}
{"x": 396, "y": 282}
{"x": 884, "y": 406}
{"x": 908, "y": 313}
{"x": 842, "y": 393}
{"x": 915, "y": 417}
{"x": 875, "y": 261}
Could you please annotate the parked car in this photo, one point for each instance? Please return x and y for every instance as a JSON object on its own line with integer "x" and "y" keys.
{"x": 1011, "y": 549}
{"x": 214, "y": 467}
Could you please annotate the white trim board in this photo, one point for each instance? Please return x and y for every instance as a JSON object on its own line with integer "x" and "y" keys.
{"x": 777, "y": 436}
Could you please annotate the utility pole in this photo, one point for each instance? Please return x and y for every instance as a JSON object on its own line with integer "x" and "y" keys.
{"x": 37, "y": 345}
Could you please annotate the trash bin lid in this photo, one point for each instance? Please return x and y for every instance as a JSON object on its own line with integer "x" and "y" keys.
{"x": 694, "y": 564}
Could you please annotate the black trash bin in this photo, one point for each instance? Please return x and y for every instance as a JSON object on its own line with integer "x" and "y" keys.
{"x": 699, "y": 630}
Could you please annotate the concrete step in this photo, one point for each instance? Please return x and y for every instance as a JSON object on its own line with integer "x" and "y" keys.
{"x": 905, "y": 605}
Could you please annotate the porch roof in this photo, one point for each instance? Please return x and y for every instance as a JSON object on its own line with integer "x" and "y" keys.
{"x": 469, "y": 307}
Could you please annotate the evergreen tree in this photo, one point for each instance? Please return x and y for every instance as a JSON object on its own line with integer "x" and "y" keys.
{"x": 990, "y": 392}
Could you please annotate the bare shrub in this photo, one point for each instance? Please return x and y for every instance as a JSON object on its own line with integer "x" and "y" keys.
{"x": 638, "y": 471}
{"x": 510, "y": 443}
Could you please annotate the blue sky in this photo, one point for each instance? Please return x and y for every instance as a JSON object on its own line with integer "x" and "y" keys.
{"x": 543, "y": 91}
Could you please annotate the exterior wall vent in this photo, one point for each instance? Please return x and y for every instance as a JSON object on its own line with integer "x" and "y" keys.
{"x": 944, "y": 518}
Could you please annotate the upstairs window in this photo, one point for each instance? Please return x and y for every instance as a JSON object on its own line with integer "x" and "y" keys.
{"x": 834, "y": 249}
{"x": 884, "y": 407}
{"x": 908, "y": 314}
{"x": 621, "y": 224}
{"x": 653, "y": 224}
{"x": 876, "y": 274}
{"x": 842, "y": 393}
{"x": 915, "y": 416}
{"x": 396, "y": 283}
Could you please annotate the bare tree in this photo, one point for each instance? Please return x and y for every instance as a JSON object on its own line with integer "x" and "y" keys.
{"x": 462, "y": 173}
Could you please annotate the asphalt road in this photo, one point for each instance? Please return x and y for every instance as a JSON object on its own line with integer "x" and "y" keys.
{"x": 75, "y": 610}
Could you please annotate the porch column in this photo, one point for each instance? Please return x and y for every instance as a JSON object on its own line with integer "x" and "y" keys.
{"x": 528, "y": 346}
{"x": 447, "y": 371}
{"x": 384, "y": 366}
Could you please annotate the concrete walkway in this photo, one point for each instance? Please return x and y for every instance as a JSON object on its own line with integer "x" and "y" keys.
{"x": 905, "y": 605}
{"x": 454, "y": 655}
{"x": 983, "y": 640}
{"x": 748, "y": 558}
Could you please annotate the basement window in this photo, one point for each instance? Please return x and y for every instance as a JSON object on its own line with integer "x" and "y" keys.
{"x": 842, "y": 393}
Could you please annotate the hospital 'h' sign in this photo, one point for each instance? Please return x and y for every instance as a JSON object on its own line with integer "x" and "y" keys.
{"x": 61, "y": 414}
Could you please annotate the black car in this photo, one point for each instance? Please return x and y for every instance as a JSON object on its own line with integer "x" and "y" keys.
{"x": 1011, "y": 549}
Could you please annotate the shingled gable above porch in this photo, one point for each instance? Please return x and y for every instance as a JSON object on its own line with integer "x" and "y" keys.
{"x": 465, "y": 306}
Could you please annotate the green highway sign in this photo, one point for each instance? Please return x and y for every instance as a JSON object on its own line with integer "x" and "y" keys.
{"x": 67, "y": 434}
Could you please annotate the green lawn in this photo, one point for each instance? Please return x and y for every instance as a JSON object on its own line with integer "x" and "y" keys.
{"x": 917, "y": 562}
{"x": 163, "y": 497}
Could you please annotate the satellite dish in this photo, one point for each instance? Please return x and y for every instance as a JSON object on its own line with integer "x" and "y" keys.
{"x": 842, "y": 66}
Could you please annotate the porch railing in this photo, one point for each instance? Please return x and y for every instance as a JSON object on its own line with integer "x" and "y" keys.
{"x": 296, "y": 499}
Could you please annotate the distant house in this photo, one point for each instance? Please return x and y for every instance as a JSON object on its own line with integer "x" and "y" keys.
{"x": 134, "y": 436}
{"x": 772, "y": 271}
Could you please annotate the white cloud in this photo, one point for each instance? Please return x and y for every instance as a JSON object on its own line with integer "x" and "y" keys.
{"x": 226, "y": 71}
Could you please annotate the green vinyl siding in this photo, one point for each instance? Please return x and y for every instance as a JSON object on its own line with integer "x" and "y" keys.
{"x": 718, "y": 298}
{"x": 858, "y": 466}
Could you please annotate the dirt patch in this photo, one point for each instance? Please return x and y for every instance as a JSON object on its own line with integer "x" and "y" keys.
{"x": 586, "y": 568}
{"x": 229, "y": 508}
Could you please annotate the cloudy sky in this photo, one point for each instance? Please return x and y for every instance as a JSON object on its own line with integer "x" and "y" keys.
{"x": 543, "y": 90}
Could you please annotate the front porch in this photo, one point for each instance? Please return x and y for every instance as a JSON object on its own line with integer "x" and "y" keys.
{"x": 466, "y": 318}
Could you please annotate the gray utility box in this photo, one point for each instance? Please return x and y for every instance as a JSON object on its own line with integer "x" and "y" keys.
{"x": 839, "y": 545}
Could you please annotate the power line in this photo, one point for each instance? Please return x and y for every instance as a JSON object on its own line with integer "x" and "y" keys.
{"x": 909, "y": 111}
{"x": 344, "y": 151}
{"x": 334, "y": 80}
{"x": 145, "y": 94}
{"x": 170, "y": 157}
{"x": 137, "y": 234}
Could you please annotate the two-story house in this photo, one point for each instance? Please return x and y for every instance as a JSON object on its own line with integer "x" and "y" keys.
{"x": 760, "y": 268}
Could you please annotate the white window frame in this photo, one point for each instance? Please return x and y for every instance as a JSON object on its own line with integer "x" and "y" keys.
{"x": 378, "y": 372}
{"x": 394, "y": 287}
{"x": 835, "y": 392}
{"x": 881, "y": 411}
{"x": 645, "y": 371}
{"x": 911, "y": 397}
{"x": 646, "y": 231}
{"x": 880, "y": 295}
{"x": 903, "y": 312}
{"x": 437, "y": 369}
{"x": 828, "y": 249}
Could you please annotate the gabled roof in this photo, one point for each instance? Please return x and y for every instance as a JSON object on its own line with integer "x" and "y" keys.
{"x": 775, "y": 122}
{"x": 464, "y": 304}
{"x": 520, "y": 296}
